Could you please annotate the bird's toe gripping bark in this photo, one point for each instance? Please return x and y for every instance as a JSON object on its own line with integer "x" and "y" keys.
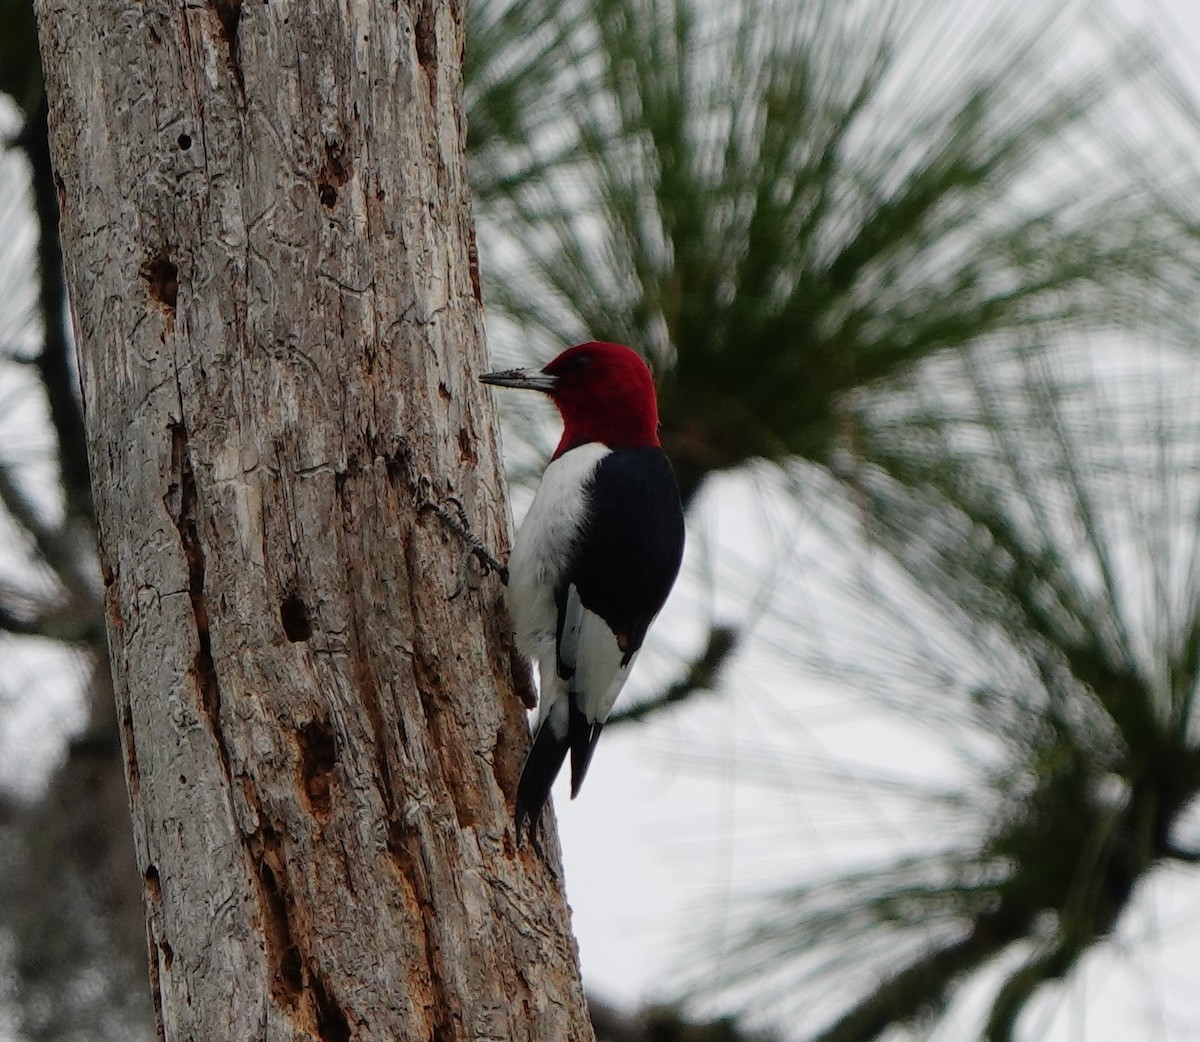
{"x": 475, "y": 547}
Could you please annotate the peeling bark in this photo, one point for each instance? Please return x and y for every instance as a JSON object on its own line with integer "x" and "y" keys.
{"x": 269, "y": 251}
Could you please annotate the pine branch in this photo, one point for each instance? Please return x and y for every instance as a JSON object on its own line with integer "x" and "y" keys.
{"x": 701, "y": 675}
{"x": 55, "y": 548}
{"x": 54, "y": 362}
{"x": 1021, "y": 986}
{"x": 922, "y": 985}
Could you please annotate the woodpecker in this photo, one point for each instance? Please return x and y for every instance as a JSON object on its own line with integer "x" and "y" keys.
{"x": 596, "y": 555}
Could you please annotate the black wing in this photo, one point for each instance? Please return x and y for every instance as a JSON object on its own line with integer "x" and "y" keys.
{"x": 631, "y": 545}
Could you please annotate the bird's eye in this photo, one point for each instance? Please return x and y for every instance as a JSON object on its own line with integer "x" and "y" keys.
{"x": 581, "y": 362}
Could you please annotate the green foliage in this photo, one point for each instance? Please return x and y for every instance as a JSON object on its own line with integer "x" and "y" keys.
{"x": 763, "y": 204}
{"x": 521, "y": 58}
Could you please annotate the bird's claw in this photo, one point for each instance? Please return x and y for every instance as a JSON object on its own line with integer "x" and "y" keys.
{"x": 460, "y": 525}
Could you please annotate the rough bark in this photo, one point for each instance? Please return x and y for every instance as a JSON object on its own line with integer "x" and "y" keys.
{"x": 266, "y": 229}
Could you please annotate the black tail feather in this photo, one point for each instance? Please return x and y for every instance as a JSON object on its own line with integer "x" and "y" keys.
{"x": 583, "y": 737}
{"x": 545, "y": 760}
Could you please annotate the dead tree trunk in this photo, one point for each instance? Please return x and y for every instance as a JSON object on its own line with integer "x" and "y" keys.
{"x": 266, "y": 227}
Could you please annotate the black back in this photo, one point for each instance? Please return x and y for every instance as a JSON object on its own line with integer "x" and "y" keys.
{"x": 631, "y": 545}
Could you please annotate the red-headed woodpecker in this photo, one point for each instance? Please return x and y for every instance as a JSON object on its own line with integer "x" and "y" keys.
{"x": 595, "y": 557}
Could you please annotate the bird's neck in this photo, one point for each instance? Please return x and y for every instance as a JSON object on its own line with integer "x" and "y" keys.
{"x": 613, "y": 429}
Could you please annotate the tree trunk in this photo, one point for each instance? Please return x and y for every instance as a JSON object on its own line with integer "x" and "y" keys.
{"x": 266, "y": 228}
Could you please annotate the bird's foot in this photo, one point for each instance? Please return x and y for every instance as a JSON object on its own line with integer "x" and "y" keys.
{"x": 456, "y": 520}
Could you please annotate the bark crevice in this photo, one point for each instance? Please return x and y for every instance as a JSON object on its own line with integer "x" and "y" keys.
{"x": 229, "y": 15}
{"x": 161, "y": 275}
{"x": 182, "y": 493}
{"x": 335, "y": 172}
{"x": 318, "y": 759}
{"x": 265, "y": 847}
{"x": 294, "y": 617}
{"x": 155, "y": 985}
{"x": 406, "y": 850}
{"x": 133, "y": 773}
{"x": 332, "y": 1023}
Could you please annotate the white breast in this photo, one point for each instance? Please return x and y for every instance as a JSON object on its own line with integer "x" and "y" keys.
{"x": 543, "y": 546}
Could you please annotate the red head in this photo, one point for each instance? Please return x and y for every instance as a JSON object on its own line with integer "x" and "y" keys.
{"x": 604, "y": 391}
